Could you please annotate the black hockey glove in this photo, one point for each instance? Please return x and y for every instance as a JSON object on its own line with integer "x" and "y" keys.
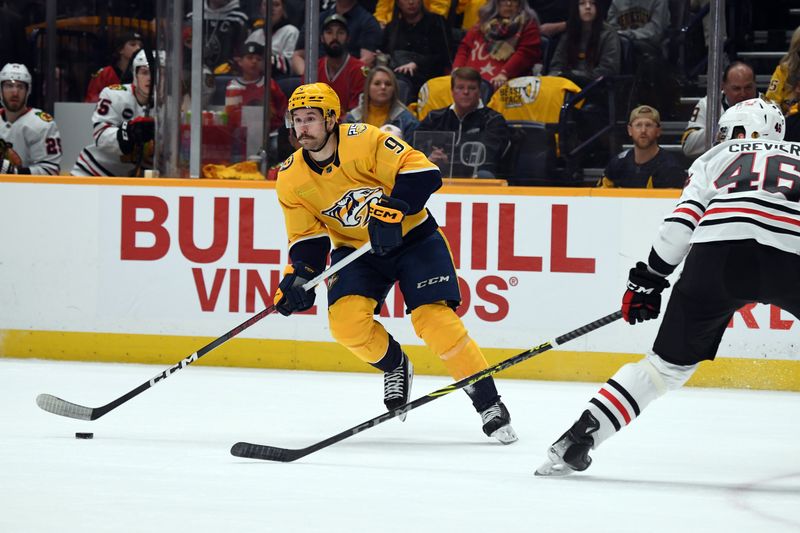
{"x": 291, "y": 296}
{"x": 642, "y": 299}
{"x": 385, "y": 224}
{"x": 136, "y": 132}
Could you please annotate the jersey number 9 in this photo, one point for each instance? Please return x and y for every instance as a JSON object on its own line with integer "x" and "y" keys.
{"x": 394, "y": 145}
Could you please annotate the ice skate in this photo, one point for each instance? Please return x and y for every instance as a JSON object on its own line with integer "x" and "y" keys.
{"x": 497, "y": 423}
{"x": 397, "y": 386}
{"x": 570, "y": 453}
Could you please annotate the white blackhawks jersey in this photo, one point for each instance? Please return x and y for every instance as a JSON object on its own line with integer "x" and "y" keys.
{"x": 35, "y": 138}
{"x": 740, "y": 189}
{"x": 103, "y": 157}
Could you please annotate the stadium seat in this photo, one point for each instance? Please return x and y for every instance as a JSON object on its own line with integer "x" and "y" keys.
{"x": 289, "y": 84}
{"x": 533, "y": 154}
{"x": 220, "y": 82}
{"x": 486, "y": 91}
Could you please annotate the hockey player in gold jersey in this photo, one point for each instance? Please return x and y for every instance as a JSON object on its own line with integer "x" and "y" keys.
{"x": 352, "y": 183}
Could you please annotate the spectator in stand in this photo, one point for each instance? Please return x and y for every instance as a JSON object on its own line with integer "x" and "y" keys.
{"x": 738, "y": 84}
{"x": 645, "y": 22}
{"x": 385, "y": 9}
{"x": 504, "y": 44}
{"x": 646, "y": 165}
{"x": 708, "y": 33}
{"x": 123, "y": 128}
{"x": 29, "y": 139}
{"x": 380, "y": 105}
{"x": 118, "y": 71}
{"x": 209, "y": 86}
{"x": 224, "y": 31}
{"x": 363, "y": 30}
{"x": 417, "y": 44}
{"x": 784, "y": 88}
{"x": 284, "y": 38}
{"x": 472, "y": 122}
{"x": 248, "y": 89}
{"x": 589, "y": 49}
{"x": 337, "y": 68}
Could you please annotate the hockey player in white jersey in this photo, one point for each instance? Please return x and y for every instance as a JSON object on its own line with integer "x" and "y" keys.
{"x": 29, "y": 138}
{"x": 123, "y": 130}
{"x": 738, "y": 220}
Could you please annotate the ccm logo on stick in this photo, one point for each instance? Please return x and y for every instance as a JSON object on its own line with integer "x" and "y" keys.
{"x": 432, "y": 281}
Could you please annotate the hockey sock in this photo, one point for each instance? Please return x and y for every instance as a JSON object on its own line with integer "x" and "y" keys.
{"x": 483, "y": 394}
{"x": 623, "y": 397}
{"x": 392, "y": 358}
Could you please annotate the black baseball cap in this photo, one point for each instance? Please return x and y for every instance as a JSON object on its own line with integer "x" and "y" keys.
{"x": 335, "y": 18}
{"x": 124, "y": 37}
{"x": 252, "y": 47}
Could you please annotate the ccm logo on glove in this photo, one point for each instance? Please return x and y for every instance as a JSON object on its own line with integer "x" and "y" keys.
{"x": 642, "y": 300}
{"x": 385, "y": 224}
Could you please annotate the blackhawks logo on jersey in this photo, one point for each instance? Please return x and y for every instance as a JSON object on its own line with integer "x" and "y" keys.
{"x": 351, "y": 209}
{"x": 47, "y": 117}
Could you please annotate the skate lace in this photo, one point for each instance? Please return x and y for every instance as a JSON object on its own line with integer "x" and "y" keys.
{"x": 491, "y": 413}
{"x": 393, "y": 383}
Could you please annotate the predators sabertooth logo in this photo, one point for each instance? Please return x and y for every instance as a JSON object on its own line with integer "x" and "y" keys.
{"x": 356, "y": 129}
{"x": 352, "y": 209}
{"x": 286, "y": 164}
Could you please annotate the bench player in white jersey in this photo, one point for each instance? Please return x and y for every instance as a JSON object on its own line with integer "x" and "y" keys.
{"x": 739, "y": 221}
{"x": 29, "y": 138}
{"x": 123, "y": 131}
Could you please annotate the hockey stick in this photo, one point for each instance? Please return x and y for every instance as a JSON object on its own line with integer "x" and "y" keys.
{"x": 61, "y": 407}
{"x": 286, "y": 455}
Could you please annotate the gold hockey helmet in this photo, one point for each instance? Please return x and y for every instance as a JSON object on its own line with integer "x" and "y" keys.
{"x": 314, "y": 95}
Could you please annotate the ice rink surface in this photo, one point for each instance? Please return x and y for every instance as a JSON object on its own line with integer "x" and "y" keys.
{"x": 699, "y": 460}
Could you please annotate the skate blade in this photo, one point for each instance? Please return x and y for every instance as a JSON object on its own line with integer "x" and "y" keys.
{"x": 505, "y": 434}
{"x": 402, "y": 417}
{"x": 551, "y": 469}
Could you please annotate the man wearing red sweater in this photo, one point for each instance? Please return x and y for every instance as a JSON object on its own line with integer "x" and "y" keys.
{"x": 343, "y": 72}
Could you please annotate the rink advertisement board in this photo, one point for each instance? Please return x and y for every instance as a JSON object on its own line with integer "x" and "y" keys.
{"x": 141, "y": 269}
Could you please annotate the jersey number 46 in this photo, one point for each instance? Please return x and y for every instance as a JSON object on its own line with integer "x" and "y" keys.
{"x": 772, "y": 178}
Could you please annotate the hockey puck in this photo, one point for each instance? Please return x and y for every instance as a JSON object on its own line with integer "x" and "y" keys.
{"x": 84, "y": 435}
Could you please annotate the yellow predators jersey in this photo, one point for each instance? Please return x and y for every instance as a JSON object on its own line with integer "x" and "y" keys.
{"x": 532, "y": 98}
{"x": 781, "y": 92}
{"x": 333, "y": 200}
{"x": 434, "y": 94}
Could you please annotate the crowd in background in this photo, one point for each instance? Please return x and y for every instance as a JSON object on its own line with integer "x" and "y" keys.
{"x": 485, "y": 70}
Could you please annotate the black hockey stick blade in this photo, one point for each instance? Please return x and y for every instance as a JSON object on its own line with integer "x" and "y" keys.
{"x": 56, "y": 405}
{"x": 286, "y": 455}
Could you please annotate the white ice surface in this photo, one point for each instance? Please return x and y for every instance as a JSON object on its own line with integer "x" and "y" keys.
{"x": 698, "y": 460}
